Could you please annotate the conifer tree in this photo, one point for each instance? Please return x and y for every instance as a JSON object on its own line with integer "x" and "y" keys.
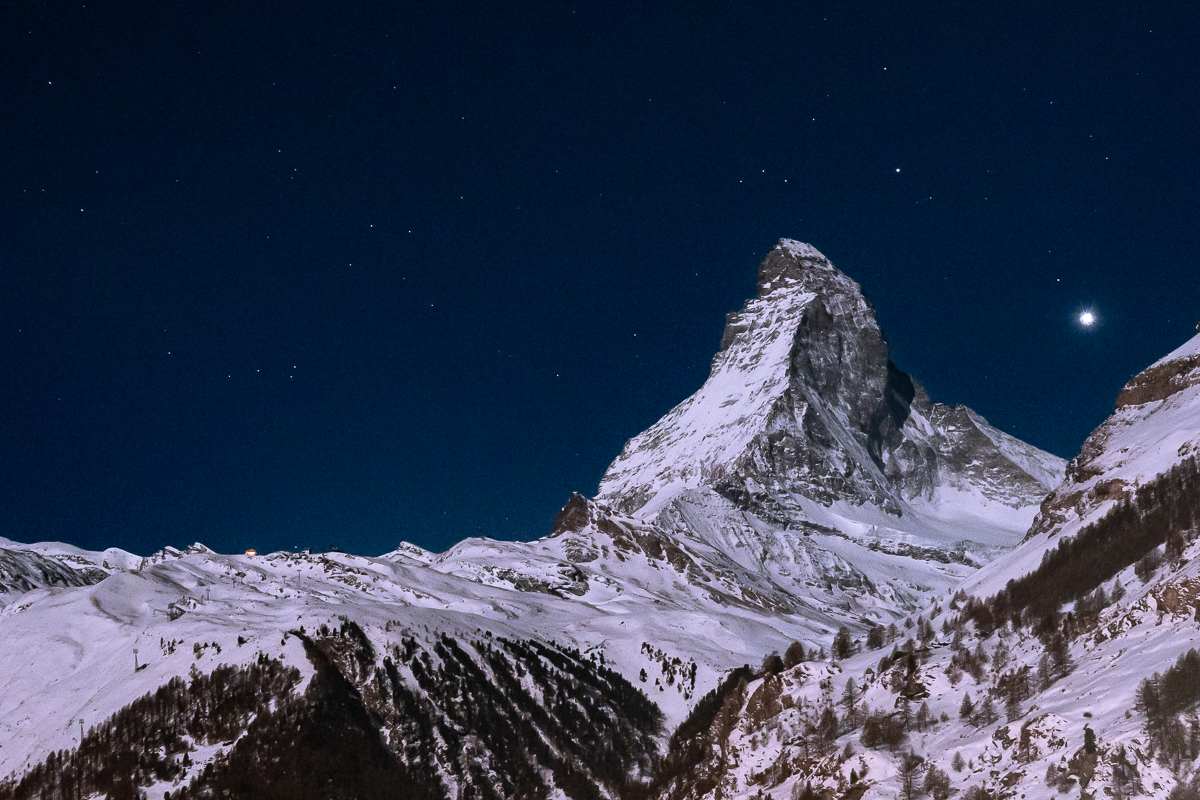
{"x": 850, "y": 698}
{"x": 910, "y": 765}
{"x": 987, "y": 711}
{"x": 923, "y": 717}
{"x": 967, "y": 708}
{"x": 850, "y": 694}
{"x": 875, "y": 637}
{"x": 842, "y": 644}
{"x": 1012, "y": 707}
{"x": 937, "y": 783}
{"x": 794, "y": 655}
{"x": 1118, "y": 590}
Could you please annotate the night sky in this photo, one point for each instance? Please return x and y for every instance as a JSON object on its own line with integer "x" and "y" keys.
{"x": 284, "y": 275}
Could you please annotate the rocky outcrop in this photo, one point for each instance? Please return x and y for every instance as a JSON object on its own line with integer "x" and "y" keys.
{"x": 24, "y": 570}
{"x": 969, "y": 453}
{"x": 1160, "y": 381}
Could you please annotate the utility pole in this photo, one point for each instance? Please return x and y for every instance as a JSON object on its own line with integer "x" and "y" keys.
{"x": 135, "y": 664}
{"x": 81, "y": 730}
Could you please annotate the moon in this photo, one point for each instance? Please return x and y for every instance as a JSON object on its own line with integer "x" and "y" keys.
{"x": 1087, "y": 319}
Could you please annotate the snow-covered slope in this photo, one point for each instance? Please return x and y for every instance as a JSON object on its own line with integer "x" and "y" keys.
{"x": 1156, "y": 424}
{"x": 69, "y": 651}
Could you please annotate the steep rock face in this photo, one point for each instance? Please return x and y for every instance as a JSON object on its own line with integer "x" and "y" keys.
{"x": 971, "y": 454}
{"x": 800, "y": 395}
{"x": 1175, "y": 373}
{"x": 804, "y": 404}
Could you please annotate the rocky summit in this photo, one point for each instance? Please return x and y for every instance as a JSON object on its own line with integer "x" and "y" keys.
{"x": 806, "y": 580}
{"x": 804, "y": 402}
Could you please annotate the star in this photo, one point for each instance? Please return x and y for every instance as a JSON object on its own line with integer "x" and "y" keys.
{"x": 1087, "y": 319}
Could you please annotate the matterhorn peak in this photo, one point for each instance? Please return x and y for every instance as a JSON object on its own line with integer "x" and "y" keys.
{"x": 800, "y": 395}
{"x": 804, "y": 403}
{"x": 791, "y": 275}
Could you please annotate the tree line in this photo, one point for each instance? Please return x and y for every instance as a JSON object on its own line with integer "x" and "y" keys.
{"x": 491, "y": 719}
{"x": 1164, "y": 698}
{"x": 1163, "y": 511}
{"x": 149, "y": 740}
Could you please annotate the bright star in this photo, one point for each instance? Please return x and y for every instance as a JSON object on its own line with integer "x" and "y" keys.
{"x": 1087, "y": 319}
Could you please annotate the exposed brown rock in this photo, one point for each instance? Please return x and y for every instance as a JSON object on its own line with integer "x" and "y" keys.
{"x": 1170, "y": 599}
{"x": 1108, "y": 490}
{"x": 1153, "y": 384}
{"x": 573, "y": 516}
{"x": 1160, "y": 382}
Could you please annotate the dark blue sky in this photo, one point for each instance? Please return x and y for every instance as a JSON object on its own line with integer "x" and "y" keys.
{"x": 341, "y": 274}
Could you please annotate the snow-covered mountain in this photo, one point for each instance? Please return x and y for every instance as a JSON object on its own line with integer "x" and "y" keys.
{"x": 808, "y": 495}
{"x": 804, "y": 402}
{"x": 808, "y": 480}
{"x": 811, "y": 461}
